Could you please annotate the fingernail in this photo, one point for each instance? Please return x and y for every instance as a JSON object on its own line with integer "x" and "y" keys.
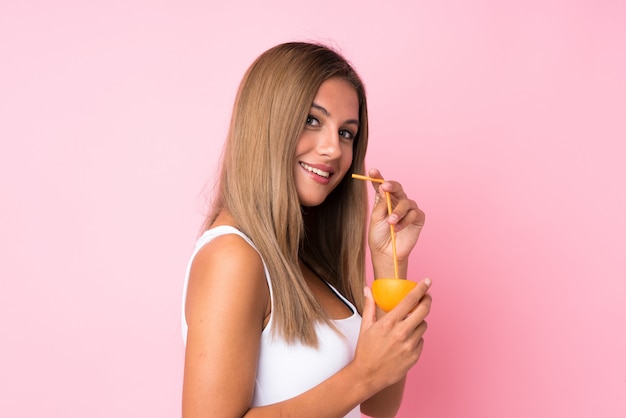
{"x": 427, "y": 282}
{"x": 393, "y": 218}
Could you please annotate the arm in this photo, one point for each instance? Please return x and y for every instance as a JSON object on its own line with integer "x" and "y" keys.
{"x": 386, "y": 350}
{"x": 225, "y": 318}
{"x": 227, "y": 300}
{"x": 411, "y": 312}
{"x": 408, "y": 221}
{"x": 385, "y": 403}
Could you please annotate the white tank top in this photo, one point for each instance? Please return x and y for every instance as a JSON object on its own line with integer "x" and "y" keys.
{"x": 287, "y": 370}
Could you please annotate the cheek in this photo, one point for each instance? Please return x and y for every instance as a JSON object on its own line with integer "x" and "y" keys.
{"x": 347, "y": 155}
{"x": 304, "y": 142}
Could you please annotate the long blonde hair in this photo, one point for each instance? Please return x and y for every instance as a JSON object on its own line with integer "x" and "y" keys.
{"x": 257, "y": 185}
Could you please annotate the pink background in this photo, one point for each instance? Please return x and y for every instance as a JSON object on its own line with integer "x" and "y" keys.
{"x": 505, "y": 120}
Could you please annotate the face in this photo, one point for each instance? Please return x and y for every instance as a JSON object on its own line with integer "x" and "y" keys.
{"x": 324, "y": 150}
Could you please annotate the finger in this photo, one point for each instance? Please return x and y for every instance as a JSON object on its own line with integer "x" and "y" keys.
{"x": 380, "y": 211}
{"x": 400, "y": 204}
{"x": 369, "y": 309}
{"x": 410, "y": 301}
{"x": 375, "y": 174}
{"x": 395, "y": 190}
{"x": 420, "y": 312}
{"x": 416, "y": 351}
{"x": 407, "y": 214}
{"x": 405, "y": 211}
{"x": 401, "y": 209}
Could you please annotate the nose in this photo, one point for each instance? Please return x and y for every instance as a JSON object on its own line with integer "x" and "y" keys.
{"x": 329, "y": 144}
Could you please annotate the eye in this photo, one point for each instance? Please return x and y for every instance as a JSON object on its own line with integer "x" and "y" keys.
{"x": 346, "y": 134}
{"x": 312, "y": 121}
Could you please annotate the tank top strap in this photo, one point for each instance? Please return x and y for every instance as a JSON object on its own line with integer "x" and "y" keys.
{"x": 342, "y": 297}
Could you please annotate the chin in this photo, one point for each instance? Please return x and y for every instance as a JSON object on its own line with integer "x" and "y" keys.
{"x": 310, "y": 203}
{"x": 312, "y": 199}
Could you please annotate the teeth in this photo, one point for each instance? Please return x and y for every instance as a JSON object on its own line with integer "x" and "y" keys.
{"x": 315, "y": 170}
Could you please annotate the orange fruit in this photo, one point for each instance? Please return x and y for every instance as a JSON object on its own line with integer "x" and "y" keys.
{"x": 389, "y": 292}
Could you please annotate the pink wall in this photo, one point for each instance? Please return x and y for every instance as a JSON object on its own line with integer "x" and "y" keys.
{"x": 505, "y": 120}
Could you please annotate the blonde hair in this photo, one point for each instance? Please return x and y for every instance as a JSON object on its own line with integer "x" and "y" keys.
{"x": 257, "y": 186}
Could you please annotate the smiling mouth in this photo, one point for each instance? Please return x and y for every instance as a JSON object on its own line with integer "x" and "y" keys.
{"x": 314, "y": 170}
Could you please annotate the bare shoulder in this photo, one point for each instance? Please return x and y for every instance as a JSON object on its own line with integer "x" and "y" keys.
{"x": 227, "y": 274}
{"x": 226, "y": 305}
{"x": 229, "y": 253}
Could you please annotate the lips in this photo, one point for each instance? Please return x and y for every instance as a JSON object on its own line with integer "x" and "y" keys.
{"x": 321, "y": 170}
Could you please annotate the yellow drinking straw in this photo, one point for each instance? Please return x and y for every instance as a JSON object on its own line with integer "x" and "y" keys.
{"x": 392, "y": 230}
{"x": 360, "y": 177}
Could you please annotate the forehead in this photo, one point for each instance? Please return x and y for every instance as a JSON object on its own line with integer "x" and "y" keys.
{"x": 338, "y": 95}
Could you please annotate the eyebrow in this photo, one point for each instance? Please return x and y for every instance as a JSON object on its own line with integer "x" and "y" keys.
{"x": 327, "y": 113}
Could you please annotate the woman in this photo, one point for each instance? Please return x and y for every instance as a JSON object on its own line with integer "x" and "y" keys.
{"x": 276, "y": 289}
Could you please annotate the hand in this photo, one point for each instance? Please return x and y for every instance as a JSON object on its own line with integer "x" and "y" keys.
{"x": 407, "y": 220}
{"x": 389, "y": 347}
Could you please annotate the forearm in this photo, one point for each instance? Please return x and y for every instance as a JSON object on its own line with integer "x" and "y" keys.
{"x": 333, "y": 398}
{"x": 386, "y": 402}
{"x": 384, "y": 268}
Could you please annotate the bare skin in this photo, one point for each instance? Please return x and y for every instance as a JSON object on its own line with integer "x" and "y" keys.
{"x": 226, "y": 317}
{"x": 219, "y": 381}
